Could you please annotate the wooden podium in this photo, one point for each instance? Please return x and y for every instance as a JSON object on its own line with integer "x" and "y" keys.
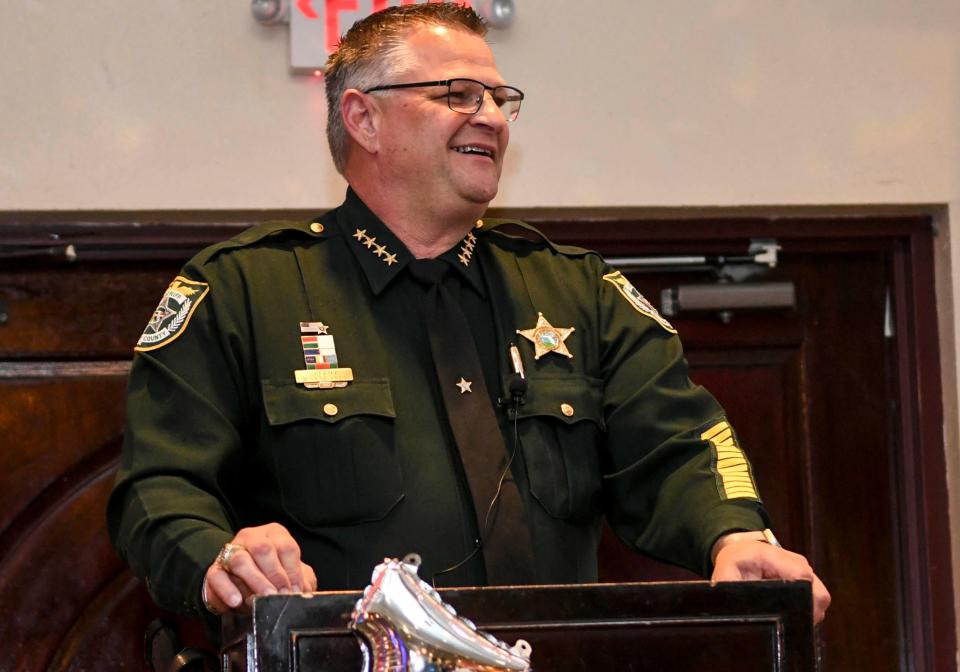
{"x": 756, "y": 626}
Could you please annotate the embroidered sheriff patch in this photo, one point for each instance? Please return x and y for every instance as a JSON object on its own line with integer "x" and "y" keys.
{"x": 172, "y": 315}
{"x": 636, "y": 299}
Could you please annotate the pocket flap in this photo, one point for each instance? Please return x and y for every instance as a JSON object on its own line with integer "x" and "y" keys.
{"x": 569, "y": 398}
{"x": 287, "y": 402}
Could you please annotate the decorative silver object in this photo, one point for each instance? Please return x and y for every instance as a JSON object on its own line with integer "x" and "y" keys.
{"x": 497, "y": 13}
{"x": 271, "y": 11}
{"x": 404, "y": 626}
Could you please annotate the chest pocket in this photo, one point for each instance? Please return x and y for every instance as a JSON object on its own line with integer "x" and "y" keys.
{"x": 333, "y": 451}
{"x": 561, "y": 425}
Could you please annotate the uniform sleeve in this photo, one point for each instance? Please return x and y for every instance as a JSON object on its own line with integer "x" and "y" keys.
{"x": 167, "y": 514}
{"x": 676, "y": 477}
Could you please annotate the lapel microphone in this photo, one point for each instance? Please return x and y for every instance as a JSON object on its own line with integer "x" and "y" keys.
{"x": 517, "y": 387}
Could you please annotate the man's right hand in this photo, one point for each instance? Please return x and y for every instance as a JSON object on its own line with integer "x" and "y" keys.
{"x": 266, "y": 561}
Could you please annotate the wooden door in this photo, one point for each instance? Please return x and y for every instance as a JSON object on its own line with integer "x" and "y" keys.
{"x": 817, "y": 395}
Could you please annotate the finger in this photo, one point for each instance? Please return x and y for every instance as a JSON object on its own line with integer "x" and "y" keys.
{"x": 821, "y": 600}
{"x": 288, "y": 553}
{"x": 246, "y": 566}
{"x": 266, "y": 554}
{"x": 309, "y": 578}
{"x": 222, "y": 593}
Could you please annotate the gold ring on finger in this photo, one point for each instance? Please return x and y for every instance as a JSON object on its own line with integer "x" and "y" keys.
{"x": 226, "y": 555}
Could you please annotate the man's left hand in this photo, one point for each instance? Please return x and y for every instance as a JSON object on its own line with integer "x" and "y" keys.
{"x": 750, "y": 560}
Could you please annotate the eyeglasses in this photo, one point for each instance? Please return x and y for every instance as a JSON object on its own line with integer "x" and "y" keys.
{"x": 466, "y": 95}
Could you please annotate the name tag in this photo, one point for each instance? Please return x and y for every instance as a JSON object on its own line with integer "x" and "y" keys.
{"x": 339, "y": 375}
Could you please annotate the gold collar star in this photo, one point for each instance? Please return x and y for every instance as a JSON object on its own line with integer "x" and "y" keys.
{"x": 547, "y": 338}
{"x": 464, "y": 385}
{"x": 466, "y": 249}
{"x": 371, "y": 244}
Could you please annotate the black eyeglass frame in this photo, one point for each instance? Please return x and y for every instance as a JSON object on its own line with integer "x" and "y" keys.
{"x": 447, "y": 83}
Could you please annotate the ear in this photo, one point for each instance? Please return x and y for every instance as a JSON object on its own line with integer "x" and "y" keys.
{"x": 361, "y": 117}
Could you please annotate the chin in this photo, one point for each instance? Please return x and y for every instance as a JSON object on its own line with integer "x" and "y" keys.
{"x": 480, "y": 193}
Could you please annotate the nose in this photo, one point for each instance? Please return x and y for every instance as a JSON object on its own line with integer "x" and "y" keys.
{"x": 490, "y": 113}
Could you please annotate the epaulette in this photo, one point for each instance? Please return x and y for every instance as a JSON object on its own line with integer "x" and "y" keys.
{"x": 516, "y": 230}
{"x": 317, "y": 228}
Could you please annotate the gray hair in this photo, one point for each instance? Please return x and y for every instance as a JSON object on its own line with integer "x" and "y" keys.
{"x": 374, "y": 51}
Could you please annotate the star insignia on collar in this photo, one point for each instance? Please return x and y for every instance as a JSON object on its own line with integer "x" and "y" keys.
{"x": 371, "y": 244}
{"x": 547, "y": 338}
{"x": 466, "y": 249}
{"x": 464, "y": 385}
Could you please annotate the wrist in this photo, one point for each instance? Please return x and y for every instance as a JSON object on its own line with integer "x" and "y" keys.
{"x": 765, "y": 536}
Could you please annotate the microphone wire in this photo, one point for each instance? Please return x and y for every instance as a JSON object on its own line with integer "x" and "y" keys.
{"x": 518, "y": 388}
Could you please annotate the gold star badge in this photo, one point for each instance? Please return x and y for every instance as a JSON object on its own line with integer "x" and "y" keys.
{"x": 464, "y": 385}
{"x": 547, "y": 338}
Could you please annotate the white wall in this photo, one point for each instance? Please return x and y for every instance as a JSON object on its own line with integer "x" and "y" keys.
{"x": 187, "y": 104}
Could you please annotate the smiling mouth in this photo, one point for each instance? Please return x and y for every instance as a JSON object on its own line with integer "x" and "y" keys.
{"x": 474, "y": 149}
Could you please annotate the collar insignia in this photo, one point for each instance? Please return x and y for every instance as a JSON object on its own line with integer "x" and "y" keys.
{"x": 370, "y": 243}
{"x": 547, "y": 338}
{"x": 466, "y": 249}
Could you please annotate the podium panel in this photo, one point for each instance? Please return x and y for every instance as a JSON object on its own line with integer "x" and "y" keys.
{"x": 755, "y": 626}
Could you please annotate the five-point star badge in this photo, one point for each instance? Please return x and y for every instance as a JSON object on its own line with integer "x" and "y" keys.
{"x": 547, "y": 338}
{"x": 464, "y": 385}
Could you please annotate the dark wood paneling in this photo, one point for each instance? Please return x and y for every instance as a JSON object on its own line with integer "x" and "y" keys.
{"x": 77, "y": 312}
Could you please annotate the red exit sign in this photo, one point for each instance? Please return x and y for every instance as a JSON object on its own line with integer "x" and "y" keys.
{"x": 316, "y": 26}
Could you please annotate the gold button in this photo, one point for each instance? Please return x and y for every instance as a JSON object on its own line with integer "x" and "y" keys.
{"x": 330, "y": 409}
{"x": 479, "y": 223}
{"x": 316, "y": 227}
{"x": 566, "y": 409}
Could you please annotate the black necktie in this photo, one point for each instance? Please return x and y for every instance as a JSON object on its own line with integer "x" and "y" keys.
{"x": 504, "y": 535}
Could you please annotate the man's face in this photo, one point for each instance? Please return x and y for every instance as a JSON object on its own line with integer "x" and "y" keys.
{"x": 422, "y": 139}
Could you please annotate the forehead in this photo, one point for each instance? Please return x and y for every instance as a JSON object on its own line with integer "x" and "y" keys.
{"x": 440, "y": 52}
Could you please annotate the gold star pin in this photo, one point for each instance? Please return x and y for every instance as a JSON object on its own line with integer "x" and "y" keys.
{"x": 391, "y": 259}
{"x": 547, "y": 338}
{"x": 464, "y": 385}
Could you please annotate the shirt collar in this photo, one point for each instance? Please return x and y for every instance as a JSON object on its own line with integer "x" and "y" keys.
{"x": 382, "y": 255}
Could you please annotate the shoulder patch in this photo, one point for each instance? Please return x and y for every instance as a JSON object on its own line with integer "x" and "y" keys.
{"x": 636, "y": 299}
{"x": 173, "y": 314}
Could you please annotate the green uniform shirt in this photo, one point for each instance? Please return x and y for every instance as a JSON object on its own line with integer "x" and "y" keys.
{"x": 220, "y": 435}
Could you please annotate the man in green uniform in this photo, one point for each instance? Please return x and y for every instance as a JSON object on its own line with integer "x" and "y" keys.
{"x": 309, "y": 398}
